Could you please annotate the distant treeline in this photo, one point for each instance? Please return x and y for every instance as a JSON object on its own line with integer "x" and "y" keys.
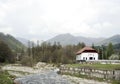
{"x": 110, "y": 51}
{"x": 54, "y": 53}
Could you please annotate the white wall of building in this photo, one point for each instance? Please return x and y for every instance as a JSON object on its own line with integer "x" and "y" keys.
{"x": 87, "y": 56}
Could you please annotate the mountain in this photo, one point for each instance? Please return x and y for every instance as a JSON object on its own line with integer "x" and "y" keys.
{"x": 23, "y": 41}
{"x": 66, "y": 39}
{"x": 114, "y": 40}
{"x": 14, "y": 44}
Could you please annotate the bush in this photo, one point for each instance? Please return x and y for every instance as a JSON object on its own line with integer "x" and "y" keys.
{"x": 5, "y": 78}
{"x": 114, "y": 57}
{"x": 115, "y": 82}
{"x": 27, "y": 61}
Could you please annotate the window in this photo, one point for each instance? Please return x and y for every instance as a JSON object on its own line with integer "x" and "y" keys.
{"x": 90, "y": 58}
{"x": 83, "y": 58}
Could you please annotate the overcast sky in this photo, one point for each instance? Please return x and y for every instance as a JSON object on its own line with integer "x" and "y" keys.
{"x": 43, "y": 19}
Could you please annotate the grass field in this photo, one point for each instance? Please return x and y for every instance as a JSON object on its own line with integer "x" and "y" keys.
{"x": 97, "y": 66}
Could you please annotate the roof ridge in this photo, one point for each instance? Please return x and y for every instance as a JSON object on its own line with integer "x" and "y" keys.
{"x": 86, "y": 48}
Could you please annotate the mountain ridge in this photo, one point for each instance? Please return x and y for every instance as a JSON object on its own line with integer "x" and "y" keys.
{"x": 115, "y": 39}
{"x": 66, "y": 39}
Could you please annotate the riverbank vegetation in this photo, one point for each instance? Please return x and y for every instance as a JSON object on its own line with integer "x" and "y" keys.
{"x": 56, "y": 53}
{"x": 97, "y": 66}
{"x": 53, "y": 53}
{"x": 5, "y": 78}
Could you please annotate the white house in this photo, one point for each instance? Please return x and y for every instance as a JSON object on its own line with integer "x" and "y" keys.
{"x": 87, "y": 54}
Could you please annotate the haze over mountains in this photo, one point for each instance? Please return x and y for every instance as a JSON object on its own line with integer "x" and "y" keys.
{"x": 63, "y": 39}
{"x": 69, "y": 39}
{"x": 23, "y": 40}
{"x": 66, "y": 39}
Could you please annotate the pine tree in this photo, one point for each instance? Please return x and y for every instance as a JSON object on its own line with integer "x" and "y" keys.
{"x": 110, "y": 50}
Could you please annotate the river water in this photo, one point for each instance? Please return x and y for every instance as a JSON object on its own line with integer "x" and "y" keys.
{"x": 44, "y": 78}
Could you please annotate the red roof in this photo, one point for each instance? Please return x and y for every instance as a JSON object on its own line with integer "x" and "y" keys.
{"x": 86, "y": 49}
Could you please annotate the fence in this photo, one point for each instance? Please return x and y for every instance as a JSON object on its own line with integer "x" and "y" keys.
{"x": 106, "y": 74}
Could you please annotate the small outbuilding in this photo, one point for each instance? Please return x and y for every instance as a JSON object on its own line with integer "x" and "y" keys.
{"x": 86, "y": 54}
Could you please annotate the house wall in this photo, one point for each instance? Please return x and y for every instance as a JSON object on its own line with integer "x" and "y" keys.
{"x": 87, "y": 56}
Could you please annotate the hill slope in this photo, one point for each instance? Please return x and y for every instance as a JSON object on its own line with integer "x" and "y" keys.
{"x": 23, "y": 41}
{"x": 114, "y": 40}
{"x": 14, "y": 44}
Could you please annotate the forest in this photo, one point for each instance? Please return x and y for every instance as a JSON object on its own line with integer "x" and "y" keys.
{"x": 54, "y": 53}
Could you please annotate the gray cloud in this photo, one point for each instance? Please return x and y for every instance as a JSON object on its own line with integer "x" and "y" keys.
{"x": 43, "y": 19}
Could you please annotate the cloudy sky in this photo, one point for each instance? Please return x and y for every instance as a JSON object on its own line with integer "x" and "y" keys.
{"x": 43, "y": 19}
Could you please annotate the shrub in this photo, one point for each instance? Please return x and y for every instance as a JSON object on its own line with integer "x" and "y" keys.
{"x": 27, "y": 61}
{"x": 114, "y": 57}
{"x": 5, "y": 78}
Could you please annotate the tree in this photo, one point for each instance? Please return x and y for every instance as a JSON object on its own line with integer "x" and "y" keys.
{"x": 93, "y": 46}
{"x": 83, "y": 45}
{"x": 100, "y": 51}
{"x": 6, "y": 54}
{"x": 27, "y": 61}
{"x": 80, "y": 46}
{"x": 110, "y": 50}
{"x": 29, "y": 48}
{"x": 53, "y": 53}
